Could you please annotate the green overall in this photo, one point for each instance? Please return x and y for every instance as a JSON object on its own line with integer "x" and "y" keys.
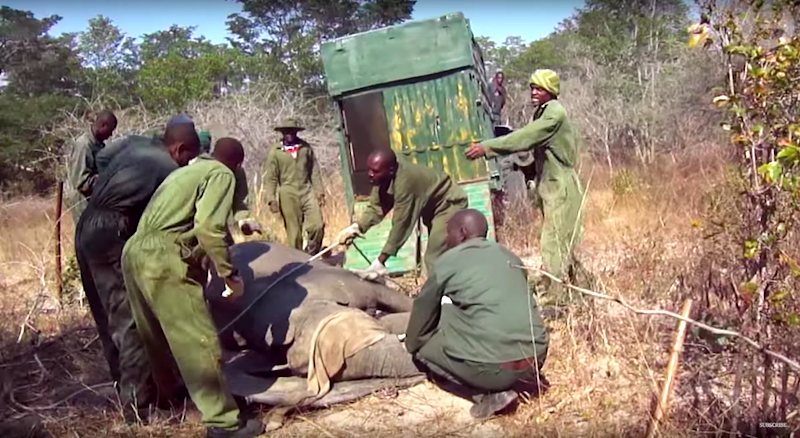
{"x": 493, "y": 318}
{"x": 295, "y": 181}
{"x": 553, "y": 141}
{"x": 185, "y": 221}
{"x": 416, "y": 192}
{"x": 82, "y": 172}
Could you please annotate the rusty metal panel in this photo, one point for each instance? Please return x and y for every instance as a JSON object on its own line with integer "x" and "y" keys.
{"x": 432, "y": 122}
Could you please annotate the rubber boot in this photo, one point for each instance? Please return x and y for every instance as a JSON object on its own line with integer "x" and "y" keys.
{"x": 492, "y": 403}
{"x": 250, "y": 429}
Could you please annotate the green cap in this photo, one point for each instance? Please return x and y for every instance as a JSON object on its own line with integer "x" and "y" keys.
{"x": 205, "y": 140}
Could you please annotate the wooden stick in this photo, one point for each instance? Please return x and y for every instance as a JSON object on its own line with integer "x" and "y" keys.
{"x": 59, "y": 285}
{"x": 672, "y": 368}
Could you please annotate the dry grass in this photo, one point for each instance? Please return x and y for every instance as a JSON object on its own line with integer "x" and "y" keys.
{"x": 605, "y": 365}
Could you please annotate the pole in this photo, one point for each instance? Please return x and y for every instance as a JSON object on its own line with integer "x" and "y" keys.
{"x": 672, "y": 367}
{"x": 59, "y": 200}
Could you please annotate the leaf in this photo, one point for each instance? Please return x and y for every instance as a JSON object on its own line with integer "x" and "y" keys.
{"x": 697, "y": 223}
{"x": 771, "y": 171}
{"x": 788, "y": 153}
{"x": 794, "y": 269}
{"x": 748, "y": 288}
{"x": 698, "y": 34}
{"x": 750, "y": 249}
{"x": 778, "y": 297}
{"x": 721, "y": 100}
{"x": 793, "y": 319}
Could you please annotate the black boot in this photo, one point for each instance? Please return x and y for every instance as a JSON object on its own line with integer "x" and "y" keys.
{"x": 490, "y": 404}
{"x": 250, "y": 429}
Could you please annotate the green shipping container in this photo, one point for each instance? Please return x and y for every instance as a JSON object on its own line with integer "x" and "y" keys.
{"x": 421, "y": 88}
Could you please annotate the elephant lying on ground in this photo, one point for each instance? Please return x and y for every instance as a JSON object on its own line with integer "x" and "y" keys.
{"x": 315, "y": 321}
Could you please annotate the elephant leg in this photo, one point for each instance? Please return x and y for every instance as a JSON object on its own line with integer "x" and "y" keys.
{"x": 386, "y": 358}
{"x": 391, "y": 301}
{"x": 395, "y": 323}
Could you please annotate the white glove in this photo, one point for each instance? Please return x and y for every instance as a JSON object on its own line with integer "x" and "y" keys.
{"x": 347, "y": 235}
{"x": 375, "y": 271}
{"x": 234, "y": 288}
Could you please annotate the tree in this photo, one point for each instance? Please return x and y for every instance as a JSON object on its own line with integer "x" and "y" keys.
{"x": 762, "y": 64}
{"x": 177, "y": 40}
{"x": 177, "y": 67}
{"x": 498, "y": 56}
{"x": 35, "y": 63}
{"x": 289, "y": 32}
{"x": 109, "y": 59}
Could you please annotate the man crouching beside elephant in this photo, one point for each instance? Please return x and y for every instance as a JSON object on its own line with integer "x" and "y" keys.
{"x": 490, "y": 342}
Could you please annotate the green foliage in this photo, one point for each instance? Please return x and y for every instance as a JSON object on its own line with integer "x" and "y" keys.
{"x": 27, "y": 149}
{"x": 46, "y": 76}
{"x": 289, "y": 31}
{"x": 108, "y": 58}
{"x": 499, "y": 56}
{"x": 33, "y": 62}
{"x": 71, "y": 282}
{"x": 172, "y": 81}
{"x": 764, "y": 128}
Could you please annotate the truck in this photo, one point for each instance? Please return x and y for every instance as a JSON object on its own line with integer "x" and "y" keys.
{"x": 421, "y": 88}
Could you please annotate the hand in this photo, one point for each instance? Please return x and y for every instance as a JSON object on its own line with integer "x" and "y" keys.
{"x": 234, "y": 287}
{"x": 347, "y": 235}
{"x": 249, "y": 226}
{"x": 475, "y": 151}
{"x": 273, "y": 207}
{"x": 375, "y": 271}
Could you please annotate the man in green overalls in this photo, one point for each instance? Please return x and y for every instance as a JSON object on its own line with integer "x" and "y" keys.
{"x": 293, "y": 188}
{"x": 241, "y": 213}
{"x": 163, "y": 264}
{"x": 554, "y": 143}
{"x": 82, "y": 168}
{"x": 413, "y": 192}
{"x": 489, "y": 341}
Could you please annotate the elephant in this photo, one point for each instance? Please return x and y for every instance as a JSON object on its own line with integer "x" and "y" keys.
{"x": 282, "y": 326}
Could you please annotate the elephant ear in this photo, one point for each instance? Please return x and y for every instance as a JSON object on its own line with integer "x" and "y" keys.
{"x": 327, "y": 283}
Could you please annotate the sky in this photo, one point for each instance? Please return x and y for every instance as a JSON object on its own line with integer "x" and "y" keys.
{"x": 497, "y": 19}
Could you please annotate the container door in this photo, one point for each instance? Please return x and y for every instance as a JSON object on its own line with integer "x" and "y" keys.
{"x": 365, "y": 130}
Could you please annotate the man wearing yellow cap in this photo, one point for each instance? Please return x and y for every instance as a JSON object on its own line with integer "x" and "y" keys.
{"x": 553, "y": 141}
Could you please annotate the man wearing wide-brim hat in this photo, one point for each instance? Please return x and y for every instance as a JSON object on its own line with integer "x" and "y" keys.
{"x": 294, "y": 188}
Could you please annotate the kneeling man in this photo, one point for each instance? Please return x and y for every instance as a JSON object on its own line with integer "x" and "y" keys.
{"x": 491, "y": 339}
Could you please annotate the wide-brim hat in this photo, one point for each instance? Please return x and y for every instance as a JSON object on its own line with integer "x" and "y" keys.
{"x": 290, "y": 125}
